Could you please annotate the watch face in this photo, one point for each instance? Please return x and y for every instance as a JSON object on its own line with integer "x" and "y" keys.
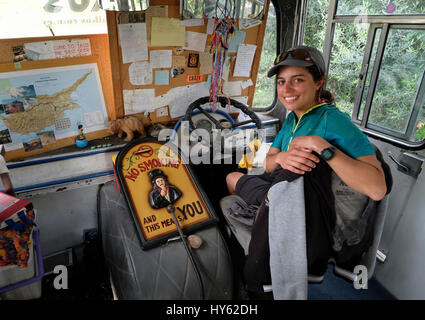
{"x": 327, "y": 154}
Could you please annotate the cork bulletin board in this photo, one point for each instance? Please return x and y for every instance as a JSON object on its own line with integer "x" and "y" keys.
{"x": 181, "y": 58}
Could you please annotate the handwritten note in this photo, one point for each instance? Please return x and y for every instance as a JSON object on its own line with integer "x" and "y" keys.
{"x": 140, "y": 73}
{"x": 205, "y": 60}
{"x": 184, "y": 96}
{"x": 195, "y": 41}
{"x": 134, "y": 43}
{"x": 244, "y": 60}
{"x": 59, "y": 49}
{"x": 139, "y": 100}
{"x": 232, "y": 88}
{"x": 160, "y": 58}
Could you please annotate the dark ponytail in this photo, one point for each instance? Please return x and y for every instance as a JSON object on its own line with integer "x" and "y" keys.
{"x": 325, "y": 95}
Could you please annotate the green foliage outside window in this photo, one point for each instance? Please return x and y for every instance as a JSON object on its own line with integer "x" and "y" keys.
{"x": 400, "y": 74}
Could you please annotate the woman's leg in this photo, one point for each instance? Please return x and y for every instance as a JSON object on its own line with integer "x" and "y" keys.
{"x": 231, "y": 180}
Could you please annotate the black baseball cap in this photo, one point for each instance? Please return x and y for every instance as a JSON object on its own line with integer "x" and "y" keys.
{"x": 300, "y": 56}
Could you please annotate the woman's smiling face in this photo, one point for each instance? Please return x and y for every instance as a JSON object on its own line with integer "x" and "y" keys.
{"x": 297, "y": 89}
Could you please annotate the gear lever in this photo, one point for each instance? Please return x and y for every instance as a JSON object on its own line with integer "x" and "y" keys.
{"x": 171, "y": 209}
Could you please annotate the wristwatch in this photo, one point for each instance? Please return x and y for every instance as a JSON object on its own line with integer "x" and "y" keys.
{"x": 328, "y": 153}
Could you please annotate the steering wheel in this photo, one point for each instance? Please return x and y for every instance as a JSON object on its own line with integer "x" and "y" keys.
{"x": 228, "y": 131}
{"x": 223, "y": 101}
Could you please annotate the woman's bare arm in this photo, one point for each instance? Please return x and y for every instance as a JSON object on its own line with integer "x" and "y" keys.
{"x": 363, "y": 174}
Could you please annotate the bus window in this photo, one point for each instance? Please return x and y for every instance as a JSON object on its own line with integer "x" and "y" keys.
{"x": 265, "y": 87}
{"x": 376, "y": 63}
{"x": 400, "y": 76}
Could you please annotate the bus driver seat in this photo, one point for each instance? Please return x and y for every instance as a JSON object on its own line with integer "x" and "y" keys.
{"x": 242, "y": 232}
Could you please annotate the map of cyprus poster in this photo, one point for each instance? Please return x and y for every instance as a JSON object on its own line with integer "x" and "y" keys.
{"x": 40, "y": 106}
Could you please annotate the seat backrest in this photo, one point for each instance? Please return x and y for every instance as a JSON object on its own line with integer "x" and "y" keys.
{"x": 369, "y": 258}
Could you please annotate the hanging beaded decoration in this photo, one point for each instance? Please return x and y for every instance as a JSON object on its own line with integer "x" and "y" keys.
{"x": 223, "y": 29}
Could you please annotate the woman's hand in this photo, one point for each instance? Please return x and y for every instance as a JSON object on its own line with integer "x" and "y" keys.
{"x": 297, "y": 160}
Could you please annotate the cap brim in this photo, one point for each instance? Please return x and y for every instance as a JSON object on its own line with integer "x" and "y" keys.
{"x": 289, "y": 62}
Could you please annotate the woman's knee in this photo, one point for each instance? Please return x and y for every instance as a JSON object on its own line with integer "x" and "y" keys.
{"x": 231, "y": 181}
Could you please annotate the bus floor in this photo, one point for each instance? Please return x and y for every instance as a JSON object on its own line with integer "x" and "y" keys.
{"x": 88, "y": 279}
{"x": 337, "y": 288}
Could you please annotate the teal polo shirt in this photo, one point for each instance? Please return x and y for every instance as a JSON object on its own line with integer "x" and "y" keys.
{"x": 328, "y": 122}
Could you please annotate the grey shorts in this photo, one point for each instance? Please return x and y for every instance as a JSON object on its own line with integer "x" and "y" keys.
{"x": 253, "y": 188}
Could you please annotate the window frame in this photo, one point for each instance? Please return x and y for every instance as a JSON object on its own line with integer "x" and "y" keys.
{"x": 278, "y": 11}
{"x": 416, "y": 21}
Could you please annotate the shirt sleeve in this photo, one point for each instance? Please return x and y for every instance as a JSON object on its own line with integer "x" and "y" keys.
{"x": 277, "y": 142}
{"x": 342, "y": 133}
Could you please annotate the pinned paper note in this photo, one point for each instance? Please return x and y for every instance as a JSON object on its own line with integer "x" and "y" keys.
{"x": 162, "y": 77}
{"x": 210, "y": 26}
{"x": 179, "y": 61}
{"x": 140, "y": 73}
{"x": 94, "y": 118}
{"x": 195, "y": 41}
{"x": 232, "y": 88}
{"x": 163, "y": 100}
{"x": 205, "y": 61}
{"x": 246, "y": 84}
{"x": 226, "y": 67}
{"x": 139, "y": 100}
{"x": 184, "y": 96}
{"x": 235, "y": 40}
{"x": 160, "y": 58}
{"x": 58, "y": 49}
{"x": 154, "y": 11}
{"x": 134, "y": 44}
{"x": 248, "y": 23}
{"x": 192, "y": 22}
{"x": 167, "y": 32}
{"x": 161, "y": 112}
{"x": 244, "y": 60}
